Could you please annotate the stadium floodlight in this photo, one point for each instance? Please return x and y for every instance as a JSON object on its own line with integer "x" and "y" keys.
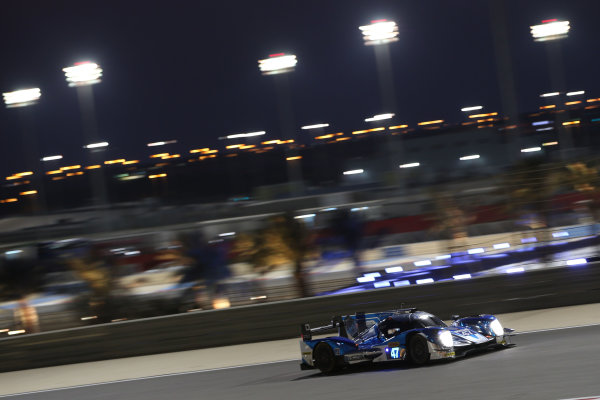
{"x": 531, "y": 149}
{"x": 474, "y": 108}
{"x": 379, "y": 32}
{"x": 277, "y": 64}
{"x": 577, "y": 93}
{"x": 471, "y": 157}
{"x": 161, "y": 143}
{"x": 96, "y": 145}
{"x": 551, "y": 94}
{"x": 550, "y": 29}
{"x": 354, "y": 172}
{"x": 22, "y": 98}
{"x": 410, "y": 165}
{"x": 52, "y": 158}
{"x": 243, "y": 135}
{"x": 315, "y": 126}
{"x": 380, "y": 117}
{"x": 83, "y": 73}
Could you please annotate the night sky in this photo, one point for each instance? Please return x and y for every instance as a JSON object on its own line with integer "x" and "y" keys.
{"x": 187, "y": 70}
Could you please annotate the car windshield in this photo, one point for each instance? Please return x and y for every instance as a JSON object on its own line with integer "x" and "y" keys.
{"x": 428, "y": 320}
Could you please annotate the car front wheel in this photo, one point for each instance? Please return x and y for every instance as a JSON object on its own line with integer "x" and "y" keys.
{"x": 418, "y": 351}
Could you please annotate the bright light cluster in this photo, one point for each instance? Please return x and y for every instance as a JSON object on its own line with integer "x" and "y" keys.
{"x": 550, "y": 30}
{"x": 21, "y": 98}
{"x": 83, "y": 74}
{"x": 243, "y": 135}
{"x": 277, "y": 64}
{"x": 380, "y": 117}
{"x": 379, "y": 32}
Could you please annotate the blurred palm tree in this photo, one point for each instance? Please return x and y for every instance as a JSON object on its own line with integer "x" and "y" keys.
{"x": 19, "y": 279}
{"x": 284, "y": 240}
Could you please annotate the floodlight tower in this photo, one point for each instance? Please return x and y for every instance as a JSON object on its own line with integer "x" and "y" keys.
{"x": 550, "y": 32}
{"x": 379, "y": 34}
{"x": 82, "y": 76}
{"x": 280, "y": 65}
{"x": 22, "y": 99}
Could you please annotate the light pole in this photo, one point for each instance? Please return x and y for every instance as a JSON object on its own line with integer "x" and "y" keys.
{"x": 379, "y": 34}
{"x": 82, "y": 75}
{"x": 550, "y": 32}
{"x": 280, "y": 64}
{"x": 231, "y": 164}
{"x": 21, "y": 99}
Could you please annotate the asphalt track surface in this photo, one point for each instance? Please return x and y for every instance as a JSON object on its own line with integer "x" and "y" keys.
{"x": 554, "y": 364}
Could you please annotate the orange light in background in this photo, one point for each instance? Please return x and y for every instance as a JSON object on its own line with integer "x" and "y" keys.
{"x": 9, "y": 200}
{"x": 211, "y": 152}
{"x": 550, "y": 144}
{"x": 54, "y": 172}
{"x": 234, "y": 146}
{"x": 342, "y": 139}
{"x": 10, "y": 178}
{"x": 368, "y": 130}
{"x": 591, "y": 107}
{"x": 485, "y": 120}
{"x": 170, "y": 156}
{"x": 483, "y": 115}
{"x": 468, "y": 123}
{"x": 131, "y": 162}
{"x": 20, "y": 174}
{"x": 163, "y": 175}
{"x": 593, "y": 100}
{"x": 359, "y": 132}
{"x": 276, "y": 141}
{"x": 200, "y": 150}
{"x": 247, "y": 146}
{"x": 571, "y": 123}
{"x": 294, "y": 158}
{"x": 547, "y": 107}
{"x": 437, "y": 121}
{"x": 286, "y": 141}
{"x": 162, "y": 164}
{"x": 231, "y": 155}
{"x": 75, "y": 173}
{"x": 28, "y": 192}
{"x": 94, "y": 166}
{"x": 58, "y": 178}
{"x": 118, "y": 161}
{"x": 329, "y": 136}
{"x": 70, "y": 167}
{"x": 571, "y": 103}
{"x": 159, "y": 155}
{"x": 398, "y": 127}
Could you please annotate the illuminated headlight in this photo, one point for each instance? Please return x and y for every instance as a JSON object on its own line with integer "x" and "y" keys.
{"x": 446, "y": 339}
{"x": 496, "y": 328}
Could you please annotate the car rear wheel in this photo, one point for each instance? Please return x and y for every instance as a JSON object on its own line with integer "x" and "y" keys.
{"x": 324, "y": 358}
{"x": 418, "y": 351}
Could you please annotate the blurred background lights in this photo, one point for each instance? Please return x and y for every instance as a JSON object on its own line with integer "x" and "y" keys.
{"x": 550, "y": 30}
{"x": 21, "y": 98}
{"x": 379, "y": 32}
{"x": 83, "y": 73}
{"x": 277, "y": 64}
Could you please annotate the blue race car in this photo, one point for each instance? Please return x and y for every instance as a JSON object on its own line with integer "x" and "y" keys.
{"x": 406, "y": 334}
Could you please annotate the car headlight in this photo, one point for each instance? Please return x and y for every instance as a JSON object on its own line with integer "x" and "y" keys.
{"x": 446, "y": 339}
{"x": 496, "y": 328}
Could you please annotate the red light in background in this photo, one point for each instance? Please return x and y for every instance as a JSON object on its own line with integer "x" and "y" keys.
{"x": 277, "y": 55}
{"x": 82, "y": 62}
{"x": 378, "y": 20}
{"x": 549, "y": 20}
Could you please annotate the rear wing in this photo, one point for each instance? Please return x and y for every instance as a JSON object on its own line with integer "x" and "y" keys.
{"x": 337, "y": 322}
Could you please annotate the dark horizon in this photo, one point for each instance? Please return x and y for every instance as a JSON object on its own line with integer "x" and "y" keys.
{"x": 189, "y": 72}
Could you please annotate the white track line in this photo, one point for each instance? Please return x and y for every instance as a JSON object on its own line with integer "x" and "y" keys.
{"x": 145, "y": 377}
{"x": 557, "y": 329}
{"x": 243, "y": 366}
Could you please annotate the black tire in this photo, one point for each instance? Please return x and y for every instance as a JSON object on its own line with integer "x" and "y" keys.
{"x": 324, "y": 358}
{"x": 418, "y": 351}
